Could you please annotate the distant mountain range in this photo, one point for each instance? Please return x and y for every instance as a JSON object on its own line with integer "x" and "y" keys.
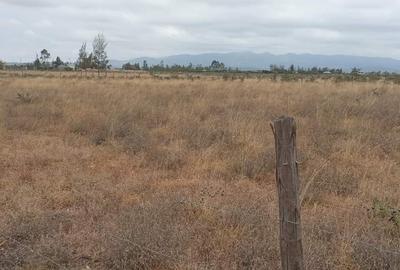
{"x": 260, "y": 61}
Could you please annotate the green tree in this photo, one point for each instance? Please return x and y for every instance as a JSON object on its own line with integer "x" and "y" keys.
{"x": 100, "y": 59}
{"x": 217, "y": 66}
{"x": 355, "y": 71}
{"x": 57, "y": 62}
{"x": 81, "y": 63}
{"x": 129, "y": 66}
{"x": 44, "y": 58}
{"x": 291, "y": 68}
{"x": 89, "y": 61}
{"x": 37, "y": 64}
{"x": 2, "y": 65}
{"x": 145, "y": 66}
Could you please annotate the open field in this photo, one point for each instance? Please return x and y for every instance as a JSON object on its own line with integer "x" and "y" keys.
{"x": 374, "y": 77}
{"x": 179, "y": 174}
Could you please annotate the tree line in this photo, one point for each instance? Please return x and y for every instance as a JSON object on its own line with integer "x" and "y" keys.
{"x": 217, "y": 66}
{"x": 96, "y": 59}
{"x": 281, "y": 69}
{"x": 43, "y": 62}
{"x": 214, "y": 66}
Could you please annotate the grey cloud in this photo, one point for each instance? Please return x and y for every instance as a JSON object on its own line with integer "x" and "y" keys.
{"x": 160, "y": 27}
{"x": 30, "y": 3}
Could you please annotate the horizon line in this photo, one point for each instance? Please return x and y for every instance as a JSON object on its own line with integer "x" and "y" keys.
{"x": 236, "y": 52}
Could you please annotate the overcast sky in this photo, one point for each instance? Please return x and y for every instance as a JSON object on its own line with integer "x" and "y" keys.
{"x": 162, "y": 27}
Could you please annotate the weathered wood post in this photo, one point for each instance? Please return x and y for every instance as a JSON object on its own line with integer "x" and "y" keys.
{"x": 287, "y": 179}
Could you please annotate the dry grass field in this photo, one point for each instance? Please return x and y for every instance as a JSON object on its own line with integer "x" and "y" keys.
{"x": 179, "y": 174}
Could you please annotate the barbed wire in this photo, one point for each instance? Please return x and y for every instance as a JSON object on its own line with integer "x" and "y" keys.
{"x": 353, "y": 238}
{"x": 173, "y": 260}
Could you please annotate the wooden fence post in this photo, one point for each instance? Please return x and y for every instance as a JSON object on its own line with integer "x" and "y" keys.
{"x": 287, "y": 179}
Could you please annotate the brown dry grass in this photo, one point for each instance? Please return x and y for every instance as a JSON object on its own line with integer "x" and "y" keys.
{"x": 179, "y": 174}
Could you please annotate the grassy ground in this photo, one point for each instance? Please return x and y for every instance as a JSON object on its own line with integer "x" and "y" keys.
{"x": 179, "y": 174}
